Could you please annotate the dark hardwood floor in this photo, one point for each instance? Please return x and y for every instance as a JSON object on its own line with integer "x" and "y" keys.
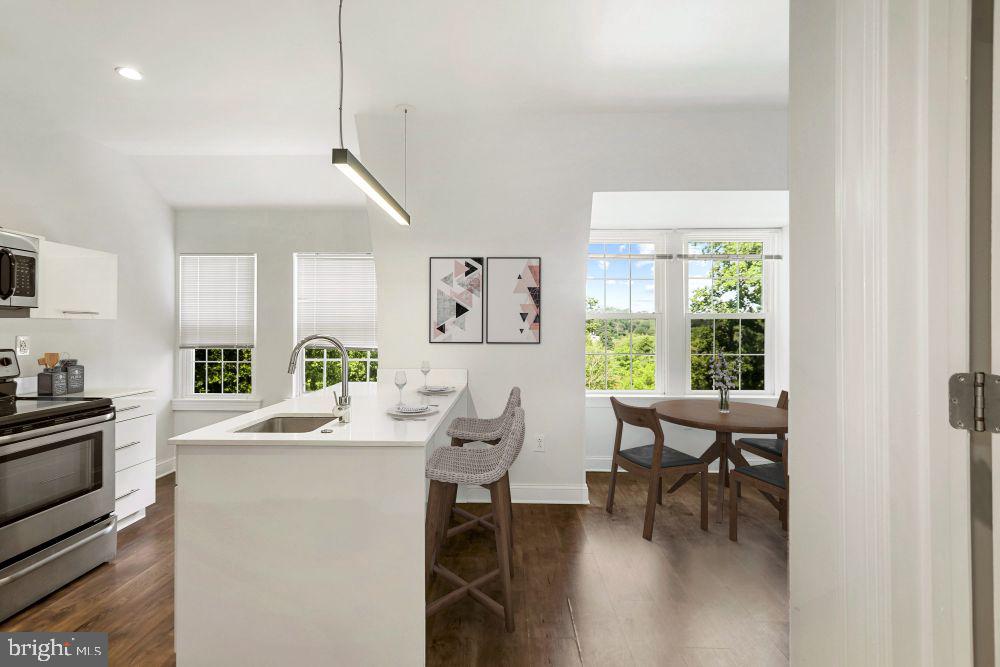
{"x": 587, "y": 588}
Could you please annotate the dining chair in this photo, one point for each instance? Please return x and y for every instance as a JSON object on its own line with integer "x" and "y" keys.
{"x": 768, "y": 448}
{"x": 770, "y": 478}
{"x": 651, "y": 462}
{"x": 771, "y": 449}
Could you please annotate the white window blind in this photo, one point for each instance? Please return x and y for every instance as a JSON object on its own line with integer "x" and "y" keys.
{"x": 218, "y": 301}
{"x": 335, "y": 295}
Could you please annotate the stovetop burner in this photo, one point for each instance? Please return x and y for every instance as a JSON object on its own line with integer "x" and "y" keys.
{"x": 21, "y": 413}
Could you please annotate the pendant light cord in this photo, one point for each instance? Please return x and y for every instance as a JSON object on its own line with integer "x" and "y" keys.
{"x": 405, "y": 111}
{"x": 340, "y": 43}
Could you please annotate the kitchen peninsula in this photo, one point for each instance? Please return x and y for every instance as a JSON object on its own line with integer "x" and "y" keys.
{"x": 307, "y": 548}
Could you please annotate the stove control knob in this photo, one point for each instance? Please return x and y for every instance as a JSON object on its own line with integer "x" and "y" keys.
{"x": 5, "y": 361}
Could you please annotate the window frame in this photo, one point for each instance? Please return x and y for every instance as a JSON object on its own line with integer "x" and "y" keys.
{"x": 672, "y": 317}
{"x": 767, "y": 306}
{"x": 185, "y": 397}
{"x": 659, "y": 240}
{"x": 299, "y": 377}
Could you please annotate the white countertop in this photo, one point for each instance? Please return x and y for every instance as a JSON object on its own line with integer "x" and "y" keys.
{"x": 109, "y": 392}
{"x": 369, "y": 425}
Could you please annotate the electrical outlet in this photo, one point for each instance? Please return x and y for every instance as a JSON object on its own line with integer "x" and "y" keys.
{"x": 23, "y": 346}
{"x": 539, "y": 443}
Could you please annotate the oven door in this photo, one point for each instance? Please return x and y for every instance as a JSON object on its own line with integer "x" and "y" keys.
{"x": 54, "y": 480}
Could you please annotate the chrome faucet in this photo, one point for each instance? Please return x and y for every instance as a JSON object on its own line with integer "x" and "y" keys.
{"x": 341, "y": 405}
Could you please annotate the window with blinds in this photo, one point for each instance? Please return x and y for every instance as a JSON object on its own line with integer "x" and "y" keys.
{"x": 335, "y": 294}
{"x": 217, "y": 301}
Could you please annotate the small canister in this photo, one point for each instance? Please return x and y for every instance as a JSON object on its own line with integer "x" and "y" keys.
{"x": 52, "y": 382}
{"x": 74, "y": 375}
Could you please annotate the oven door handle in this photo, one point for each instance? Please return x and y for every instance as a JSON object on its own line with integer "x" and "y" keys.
{"x": 62, "y": 552}
{"x": 58, "y": 428}
{"x": 5, "y": 252}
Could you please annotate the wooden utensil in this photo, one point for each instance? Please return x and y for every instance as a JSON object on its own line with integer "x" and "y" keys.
{"x": 49, "y": 359}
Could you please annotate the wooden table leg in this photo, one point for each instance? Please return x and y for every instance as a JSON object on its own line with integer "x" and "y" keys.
{"x": 707, "y": 456}
{"x": 725, "y": 441}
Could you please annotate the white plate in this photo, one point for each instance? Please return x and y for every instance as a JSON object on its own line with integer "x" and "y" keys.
{"x": 410, "y": 415}
{"x": 412, "y": 408}
{"x": 431, "y": 390}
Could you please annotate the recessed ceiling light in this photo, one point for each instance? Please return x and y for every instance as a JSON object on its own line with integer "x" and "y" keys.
{"x": 129, "y": 73}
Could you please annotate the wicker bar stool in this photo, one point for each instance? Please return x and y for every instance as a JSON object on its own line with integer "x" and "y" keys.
{"x": 447, "y": 468}
{"x": 473, "y": 429}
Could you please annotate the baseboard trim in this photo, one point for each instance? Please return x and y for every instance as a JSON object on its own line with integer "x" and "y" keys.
{"x": 165, "y": 467}
{"x": 538, "y": 494}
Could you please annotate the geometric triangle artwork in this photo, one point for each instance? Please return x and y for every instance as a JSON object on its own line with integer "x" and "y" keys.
{"x": 456, "y": 299}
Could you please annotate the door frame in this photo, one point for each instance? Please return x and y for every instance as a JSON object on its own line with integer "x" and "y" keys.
{"x": 878, "y": 172}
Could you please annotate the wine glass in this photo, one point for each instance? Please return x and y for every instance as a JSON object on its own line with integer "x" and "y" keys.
{"x": 400, "y": 381}
{"x": 425, "y": 368}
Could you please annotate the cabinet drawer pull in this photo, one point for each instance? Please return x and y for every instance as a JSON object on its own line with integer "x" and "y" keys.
{"x": 81, "y": 312}
{"x": 128, "y": 407}
{"x": 128, "y": 445}
{"x": 126, "y": 495}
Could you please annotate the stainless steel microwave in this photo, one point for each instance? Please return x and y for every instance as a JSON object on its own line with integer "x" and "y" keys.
{"x": 18, "y": 271}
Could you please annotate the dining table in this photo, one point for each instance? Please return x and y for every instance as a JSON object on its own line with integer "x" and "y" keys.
{"x": 743, "y": 417}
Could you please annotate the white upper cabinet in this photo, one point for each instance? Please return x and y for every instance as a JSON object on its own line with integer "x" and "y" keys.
{"x": 76, "y": 283}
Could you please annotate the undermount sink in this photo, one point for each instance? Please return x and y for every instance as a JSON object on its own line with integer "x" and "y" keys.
{"x": 288, "y": 424}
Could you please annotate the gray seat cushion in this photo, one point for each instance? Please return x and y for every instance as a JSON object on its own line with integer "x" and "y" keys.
{"x": 671, "y": 458}
{"x": 772, "y": 473}
{"x": 773, "y": 446}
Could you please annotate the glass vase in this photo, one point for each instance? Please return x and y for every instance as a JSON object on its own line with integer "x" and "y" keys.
{"x": 724, "y": 400}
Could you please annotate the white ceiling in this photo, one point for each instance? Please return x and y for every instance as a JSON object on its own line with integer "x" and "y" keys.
{"x": 228, "y": 78}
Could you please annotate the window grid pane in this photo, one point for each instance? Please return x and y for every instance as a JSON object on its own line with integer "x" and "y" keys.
{"x": 222, "y": 371}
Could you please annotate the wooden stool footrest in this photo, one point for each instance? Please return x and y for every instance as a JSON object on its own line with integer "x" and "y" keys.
{"x": 473, "y": 522}
{"x": 470, "y": 588}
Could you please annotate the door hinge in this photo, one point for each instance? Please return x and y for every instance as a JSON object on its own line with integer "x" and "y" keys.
{"x": 974, "y": 402}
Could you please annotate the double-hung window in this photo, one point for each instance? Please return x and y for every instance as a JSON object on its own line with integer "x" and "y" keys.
{"x": 727, "y": 309}
{"x": 623, "y": 314}
{"x": 660, "y": 304}
{"x": 217, "y": 306}
{"x": 335, "y": 294}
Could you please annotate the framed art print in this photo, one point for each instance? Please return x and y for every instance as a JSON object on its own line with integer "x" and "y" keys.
{"x": 456, "y": 300}
{"x": 514, "y": 300}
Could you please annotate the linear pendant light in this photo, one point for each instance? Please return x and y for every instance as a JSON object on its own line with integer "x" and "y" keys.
{"x": 351, "y": 166}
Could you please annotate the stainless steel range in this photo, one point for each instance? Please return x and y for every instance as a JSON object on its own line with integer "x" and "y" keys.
{"x": 57, "y": 479}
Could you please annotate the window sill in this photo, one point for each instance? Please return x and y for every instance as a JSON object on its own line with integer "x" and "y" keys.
{"x": 594, "y": 400}
{"x": 216, "y": 404}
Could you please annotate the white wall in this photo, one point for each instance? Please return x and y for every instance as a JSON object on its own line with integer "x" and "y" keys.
{"x": 274, "y": 235}
{"x": 79, "y": 192}
{"x": 523, "y": 185}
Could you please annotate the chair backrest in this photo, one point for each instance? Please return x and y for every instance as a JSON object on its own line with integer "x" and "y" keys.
{"x": 513, "y": 401}
{"x": 783, "y": 400}
{"x": 638, "y": 416}
{"x": 504, "y": 453}
{"x": 782, "y": 405}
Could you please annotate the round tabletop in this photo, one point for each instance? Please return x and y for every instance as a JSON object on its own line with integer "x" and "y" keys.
{"x": 742, "y": 418}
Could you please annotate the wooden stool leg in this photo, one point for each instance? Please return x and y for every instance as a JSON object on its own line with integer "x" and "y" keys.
{"x": 647, "y": 528}
{"x": 436, "y": 506}
{"x": 704, "y": 498}
{"x": 501, "y": 512}
{"x": 510, "y": 521}
{"x": 659, "y": 491}
{"x": 611, "y": 486}
{"x": 733, "y": 508}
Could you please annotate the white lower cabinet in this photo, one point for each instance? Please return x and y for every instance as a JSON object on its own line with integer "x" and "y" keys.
{"x": 135, "y": 458}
